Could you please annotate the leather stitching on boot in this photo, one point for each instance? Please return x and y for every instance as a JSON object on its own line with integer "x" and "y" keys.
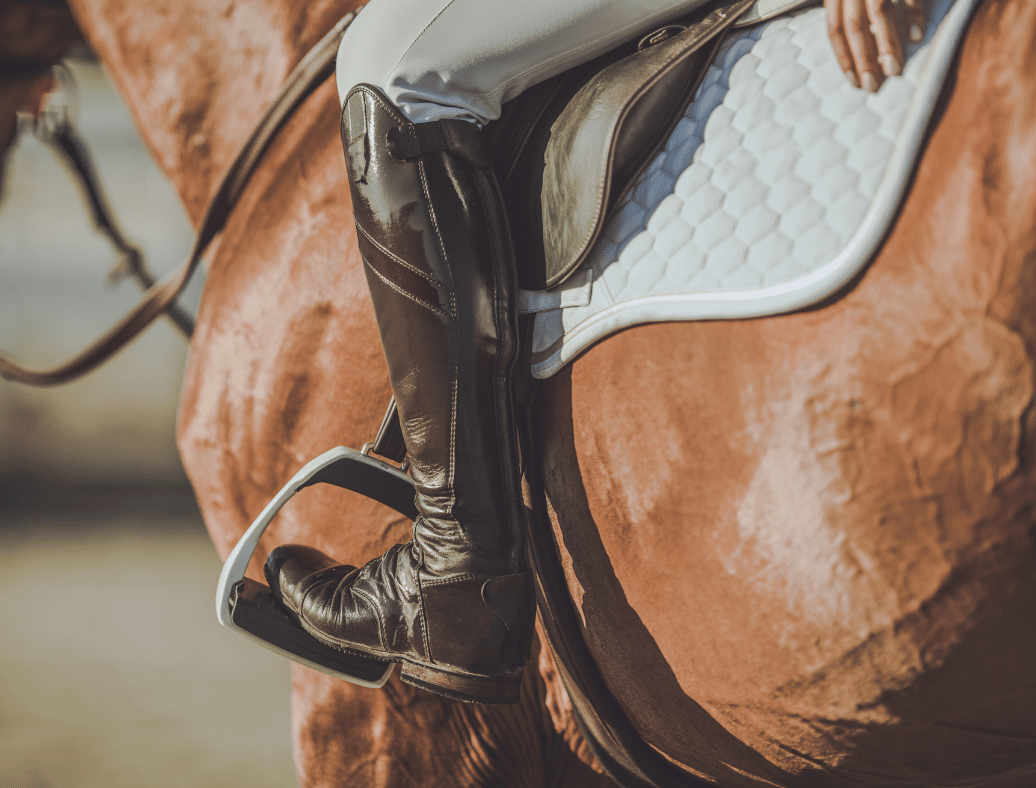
{"x": 445, "y": 581}
{"x": 400, "y": 261}
{"x": 453, "y": 449}
{"x": 424, "y": 617}
{"x": 434, "y": 307}
{"x": 434, "y": 219}
{"x": 438, "y": 234}
{"x": 453, "y": 340}
{"x": 374, "y": 95}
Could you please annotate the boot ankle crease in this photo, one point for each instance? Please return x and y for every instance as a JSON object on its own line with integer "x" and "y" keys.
{"x": 373, "y": 603}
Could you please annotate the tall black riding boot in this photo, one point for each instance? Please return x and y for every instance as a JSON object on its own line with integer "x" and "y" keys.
{"x": 455, "y": 605}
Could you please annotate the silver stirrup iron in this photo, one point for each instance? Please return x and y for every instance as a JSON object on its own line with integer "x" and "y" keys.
{"x": 250, "y": 608}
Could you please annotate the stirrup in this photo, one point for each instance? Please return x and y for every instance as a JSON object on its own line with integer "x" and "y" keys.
{"x": 250, "y": 609}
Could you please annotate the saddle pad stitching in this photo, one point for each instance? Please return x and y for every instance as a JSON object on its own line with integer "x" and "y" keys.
{"x": 800, "y": 290}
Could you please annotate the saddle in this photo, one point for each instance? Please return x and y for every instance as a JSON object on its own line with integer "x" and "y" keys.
{"x": 565, "y": 150}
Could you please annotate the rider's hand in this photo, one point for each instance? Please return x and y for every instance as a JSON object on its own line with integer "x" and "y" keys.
{"x": 868, "y": 36}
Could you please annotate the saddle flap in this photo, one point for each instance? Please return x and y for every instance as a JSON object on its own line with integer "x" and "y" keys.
{"x": 610, "y": 131}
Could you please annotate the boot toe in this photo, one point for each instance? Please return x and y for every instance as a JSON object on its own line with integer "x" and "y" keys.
{"x": 289, "y": 565}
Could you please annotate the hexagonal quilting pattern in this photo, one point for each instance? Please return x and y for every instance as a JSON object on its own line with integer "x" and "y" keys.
{"x": 773, "y": 191}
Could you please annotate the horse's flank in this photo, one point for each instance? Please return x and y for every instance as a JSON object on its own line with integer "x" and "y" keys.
{"x": 810, "y": 538}
{"x": 802, "y": 546}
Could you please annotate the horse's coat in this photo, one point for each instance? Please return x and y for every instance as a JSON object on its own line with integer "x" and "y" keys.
{"x": 802, "y": 546}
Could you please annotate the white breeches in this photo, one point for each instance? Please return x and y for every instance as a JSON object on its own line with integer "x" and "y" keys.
{"x": 464, "y": 58}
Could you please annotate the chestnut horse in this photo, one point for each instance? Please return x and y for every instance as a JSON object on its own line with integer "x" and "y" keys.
{"x": 801, "y": 547}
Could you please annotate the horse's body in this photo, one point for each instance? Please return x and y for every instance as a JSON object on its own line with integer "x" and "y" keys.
{"x": 802, "y": 546}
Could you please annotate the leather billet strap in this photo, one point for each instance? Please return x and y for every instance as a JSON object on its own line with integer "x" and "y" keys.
{"x": 314, "y": 68}
{"x": 389, "y": 440}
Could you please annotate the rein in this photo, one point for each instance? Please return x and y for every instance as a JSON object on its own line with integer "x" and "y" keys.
{"x": 56, "y": 128}
{"x": 312, "y": 70}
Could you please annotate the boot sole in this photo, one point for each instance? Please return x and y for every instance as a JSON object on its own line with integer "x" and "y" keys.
{"x": 470, "y": 689}
{"x": 456, "y": 686}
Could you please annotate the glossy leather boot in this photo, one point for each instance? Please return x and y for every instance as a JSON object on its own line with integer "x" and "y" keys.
{"x": 455, "y": 604}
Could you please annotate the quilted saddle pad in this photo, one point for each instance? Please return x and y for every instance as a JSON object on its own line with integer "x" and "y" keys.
{"x": 772, "y": 193}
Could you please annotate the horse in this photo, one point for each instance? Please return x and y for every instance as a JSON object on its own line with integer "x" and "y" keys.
{"x": 800, "y": 547}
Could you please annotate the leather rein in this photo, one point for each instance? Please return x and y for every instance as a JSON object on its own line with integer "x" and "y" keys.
{"x": 160, "y": 297}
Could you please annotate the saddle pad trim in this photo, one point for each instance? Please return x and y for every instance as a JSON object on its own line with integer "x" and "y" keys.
{"x": 806, "y": 290}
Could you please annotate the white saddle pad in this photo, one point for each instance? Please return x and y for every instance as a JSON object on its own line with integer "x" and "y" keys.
{"x": 772, "y": 193}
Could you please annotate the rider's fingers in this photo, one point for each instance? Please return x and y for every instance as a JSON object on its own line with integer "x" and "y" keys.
{"x": 913, "y": 19}
{"x": 836, "y": 32}
{"x": 861, "y": 44}
{"x": 885, "y": 29}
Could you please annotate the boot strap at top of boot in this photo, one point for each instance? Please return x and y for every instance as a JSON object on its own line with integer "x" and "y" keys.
{"x": 459, "y": 136}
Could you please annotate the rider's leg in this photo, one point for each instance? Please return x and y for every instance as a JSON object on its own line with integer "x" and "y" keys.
{"x": 463, "y": 58}
{"x": 455, "y": 604}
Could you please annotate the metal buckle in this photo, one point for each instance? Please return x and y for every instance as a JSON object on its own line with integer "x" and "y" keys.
{"x": 660, "y": 35}
{"x": 368, "y": 447}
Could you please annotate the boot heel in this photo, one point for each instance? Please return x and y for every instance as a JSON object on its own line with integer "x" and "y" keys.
{"x": 471, "y": 689}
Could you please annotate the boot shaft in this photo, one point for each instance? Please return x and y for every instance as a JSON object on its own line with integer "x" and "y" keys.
{"x": 437, "y": 255}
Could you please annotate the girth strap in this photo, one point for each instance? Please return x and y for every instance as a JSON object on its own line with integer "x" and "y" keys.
{"x": 314, "y": 68}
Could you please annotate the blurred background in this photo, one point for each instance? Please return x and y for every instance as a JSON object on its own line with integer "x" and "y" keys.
{"x": 113, "y": 670}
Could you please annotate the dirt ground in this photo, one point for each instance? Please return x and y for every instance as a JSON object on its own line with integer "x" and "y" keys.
{"x": 113, "y": 670}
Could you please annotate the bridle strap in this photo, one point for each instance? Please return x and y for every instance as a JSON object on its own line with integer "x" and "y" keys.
{"x": 65, "y": 139}
{"x": 315, "y": 67}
